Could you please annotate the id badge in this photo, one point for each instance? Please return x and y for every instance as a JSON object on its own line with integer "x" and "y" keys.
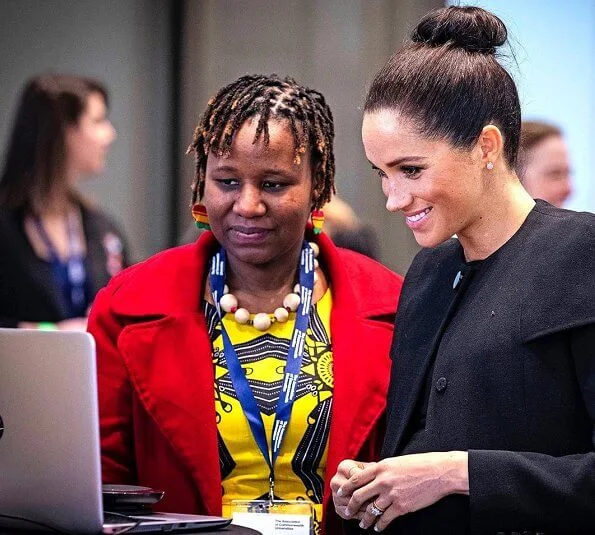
{"x": 283, "y": 517}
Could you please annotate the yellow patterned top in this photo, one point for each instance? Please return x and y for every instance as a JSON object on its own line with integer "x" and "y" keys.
{"x": 300, "y": 466}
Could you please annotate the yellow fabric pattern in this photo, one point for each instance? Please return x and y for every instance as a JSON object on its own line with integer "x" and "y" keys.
{"x": 300, "y": 466}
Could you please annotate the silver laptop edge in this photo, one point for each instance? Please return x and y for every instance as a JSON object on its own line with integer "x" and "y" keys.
{"x": 50, "y": 467}
{"x": 48, "y": 403}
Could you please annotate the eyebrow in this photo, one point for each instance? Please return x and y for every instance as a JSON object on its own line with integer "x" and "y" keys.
{"x": 232, "y": 169}
{"x": 399, "y": 161}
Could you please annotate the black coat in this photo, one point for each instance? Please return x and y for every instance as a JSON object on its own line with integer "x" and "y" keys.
{"x": 28, "y": 291}
{"x": 502, "y": 366}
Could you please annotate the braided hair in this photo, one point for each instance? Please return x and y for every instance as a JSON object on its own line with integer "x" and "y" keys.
{"x": 266, "y": 97}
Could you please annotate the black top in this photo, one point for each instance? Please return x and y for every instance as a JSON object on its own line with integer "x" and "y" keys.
{"x": 508, "y": 360}
{"x": 28, "y": 291}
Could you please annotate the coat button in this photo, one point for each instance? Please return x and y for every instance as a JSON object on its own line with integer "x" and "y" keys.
{"x": 441, "y": 384}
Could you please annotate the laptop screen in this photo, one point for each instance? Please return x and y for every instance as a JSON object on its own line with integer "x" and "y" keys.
{"x": 50, "y": 468}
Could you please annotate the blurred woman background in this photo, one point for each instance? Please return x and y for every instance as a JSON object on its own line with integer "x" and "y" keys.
{"x": 56, "y": 251}
{"x": 544, "y": 164}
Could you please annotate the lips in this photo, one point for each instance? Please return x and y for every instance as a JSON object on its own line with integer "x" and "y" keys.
{"x": 250, "y": 230}
{"x": 249, "y": 234}
{"x": 417, "y": 216}
{"x": 416, "y": 219}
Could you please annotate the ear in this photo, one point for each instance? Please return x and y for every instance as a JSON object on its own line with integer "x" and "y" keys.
{"x": 491, "y": 144}
{"x": 316, "y": 192}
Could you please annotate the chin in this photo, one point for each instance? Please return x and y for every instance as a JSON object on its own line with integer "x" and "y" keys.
{"x": 428, "y": 241}
{"x": 250, "y": 255}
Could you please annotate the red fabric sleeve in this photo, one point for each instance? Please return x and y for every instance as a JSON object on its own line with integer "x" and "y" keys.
{"x": 115, "y": 395}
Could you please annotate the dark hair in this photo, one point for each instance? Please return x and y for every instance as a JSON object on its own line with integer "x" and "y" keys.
{"x": 36, "y": 153}
{"x": 448, "y": 82}
{"x": 309, "y": 116}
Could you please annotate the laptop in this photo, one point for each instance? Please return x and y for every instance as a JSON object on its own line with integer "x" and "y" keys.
{"x": 50, "y": 468}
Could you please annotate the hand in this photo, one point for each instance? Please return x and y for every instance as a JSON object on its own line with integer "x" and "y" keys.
{"x": 401, "y": 485}
{"x": 347, "y": 471}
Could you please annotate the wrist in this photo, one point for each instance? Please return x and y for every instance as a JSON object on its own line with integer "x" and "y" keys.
{"x": 457, "y": 472}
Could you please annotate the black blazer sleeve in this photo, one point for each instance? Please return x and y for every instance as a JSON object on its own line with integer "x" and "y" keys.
{"x": 514, "y": 490}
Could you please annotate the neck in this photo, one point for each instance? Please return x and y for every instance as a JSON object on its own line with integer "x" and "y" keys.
{"x": 262, "y": 287}
{"x": 500, "y": 217}
{"x": 57, "y": 204}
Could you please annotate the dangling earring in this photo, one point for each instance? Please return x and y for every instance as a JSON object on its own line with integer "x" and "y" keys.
{"x": 201, "y": 219}
{"x": 317, "y": 217}
{"x": 490, "y": 166}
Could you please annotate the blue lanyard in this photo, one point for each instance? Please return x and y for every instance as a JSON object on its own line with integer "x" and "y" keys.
{"x": 292, "y": 366}
{"x": 72, "y": 274}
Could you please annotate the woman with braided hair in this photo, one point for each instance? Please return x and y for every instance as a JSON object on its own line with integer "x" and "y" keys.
{"x": 248, "y": 364}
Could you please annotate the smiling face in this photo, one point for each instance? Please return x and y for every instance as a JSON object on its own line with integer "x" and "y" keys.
{"x": 547, "y": 171}
{"x": 440, "y": 189}
{"x": 257, "y": 198}
{"x": 88, "y": 140}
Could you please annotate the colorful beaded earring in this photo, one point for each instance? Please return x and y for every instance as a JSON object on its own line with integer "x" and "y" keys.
{"x": 199, "y": 213}
{"x": 317, "y": 218}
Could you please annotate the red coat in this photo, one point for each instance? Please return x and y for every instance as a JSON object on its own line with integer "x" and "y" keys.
{"x": 155, "y": 372}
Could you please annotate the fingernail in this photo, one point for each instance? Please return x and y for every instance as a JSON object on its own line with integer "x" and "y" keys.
{"x": 347, "y": 512}
{"x": 376, "y": 528}
{"x": 340, "y": 492}
{"x": 362, "y": 525}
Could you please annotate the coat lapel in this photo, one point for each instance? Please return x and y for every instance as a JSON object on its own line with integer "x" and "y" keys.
{"x": 167, "y": 352}
{"x": 170, "y": 366}
{"x": 359, "y": 394}
{"x": 416, "y": 339}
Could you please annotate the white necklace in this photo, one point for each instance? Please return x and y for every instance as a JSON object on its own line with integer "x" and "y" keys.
{"x": 262, "y": 321}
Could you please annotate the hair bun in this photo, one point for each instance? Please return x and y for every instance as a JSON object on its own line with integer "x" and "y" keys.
{"x": 471, "y": 28}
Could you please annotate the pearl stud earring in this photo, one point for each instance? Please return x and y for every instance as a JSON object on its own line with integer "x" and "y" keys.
{"x": 490, "y": 166}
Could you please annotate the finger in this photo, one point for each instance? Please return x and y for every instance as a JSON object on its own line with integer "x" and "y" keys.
{"x": 387, "y": 517}
{"x": 345, "y": 466}
{"x": 341, "y": 511}
{"x": 348, "y": 471}
{"x": 373, "y": 512}
{"x": 337, "y": 481}
{"x": 361, "y": 496}
{"x": 339, "y": 502}
{"x": 357, "y": 479}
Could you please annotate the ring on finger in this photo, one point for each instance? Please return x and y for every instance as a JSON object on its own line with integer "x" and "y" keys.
{"x": 375, "y": 510}
{"x": 358, "y": 466}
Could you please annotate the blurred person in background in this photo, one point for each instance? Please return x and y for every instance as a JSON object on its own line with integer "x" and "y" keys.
{"x": 345, "y": 228}
{"x": 56, "y": 251}
{"x": 544, "y": 164}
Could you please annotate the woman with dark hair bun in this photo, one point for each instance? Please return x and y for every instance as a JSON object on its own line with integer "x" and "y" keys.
{"x": 491, "y": 406}
{"x": 56, "y": 251}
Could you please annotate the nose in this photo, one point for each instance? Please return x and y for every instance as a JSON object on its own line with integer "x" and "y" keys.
{"x": 111, "y": 133}
{"x": 249, "y": 202}
{"x": 566, "y": 189}
{"x": 397, "y": 198}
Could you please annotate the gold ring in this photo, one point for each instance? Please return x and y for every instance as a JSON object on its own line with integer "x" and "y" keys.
{"x": 375, "y": 510}
{"x": 358, "y": 466}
